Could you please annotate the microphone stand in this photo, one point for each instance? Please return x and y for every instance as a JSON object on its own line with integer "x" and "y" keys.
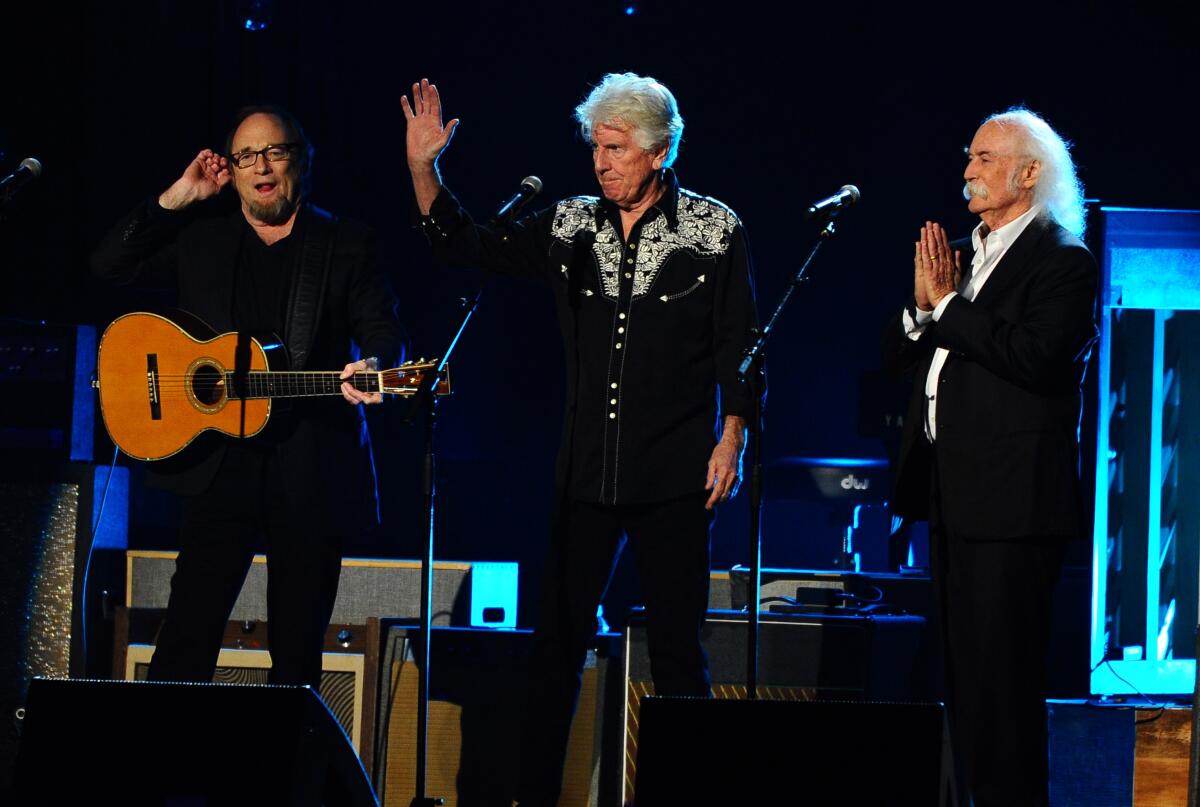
{"x": 424, "y": 407}
{"x": 750, "y": 372}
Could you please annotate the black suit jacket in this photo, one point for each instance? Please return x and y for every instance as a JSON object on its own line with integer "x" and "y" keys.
{"x": 323, "y": 443}
{"x": 1008, "y": 397}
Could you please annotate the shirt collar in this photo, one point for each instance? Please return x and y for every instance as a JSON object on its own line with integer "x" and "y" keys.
{"x": 667, "y": 204}
{"x": 1003, "y": 237}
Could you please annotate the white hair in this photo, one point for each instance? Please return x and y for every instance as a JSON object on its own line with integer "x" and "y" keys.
{"x": 1058, "y": 188}
{"x": 638, "y": 102}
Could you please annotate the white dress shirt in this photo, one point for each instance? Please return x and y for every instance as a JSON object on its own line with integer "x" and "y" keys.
{"x": 988, "y": 252}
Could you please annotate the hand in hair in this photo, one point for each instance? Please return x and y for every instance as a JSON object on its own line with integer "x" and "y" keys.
{"x": 204, "y": 177}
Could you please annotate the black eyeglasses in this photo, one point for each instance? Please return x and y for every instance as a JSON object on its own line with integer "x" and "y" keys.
{"x": 273, "y": 154}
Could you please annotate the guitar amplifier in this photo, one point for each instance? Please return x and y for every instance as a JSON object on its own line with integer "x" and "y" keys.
{"x": 478, "y": 692}
{"x": 483, "y": 594}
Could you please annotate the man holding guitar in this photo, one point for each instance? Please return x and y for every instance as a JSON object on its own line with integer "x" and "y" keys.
{"x": 275, "y": 264}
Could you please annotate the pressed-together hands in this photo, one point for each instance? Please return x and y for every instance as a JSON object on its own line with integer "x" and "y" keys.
{"x": 936, "y": 271}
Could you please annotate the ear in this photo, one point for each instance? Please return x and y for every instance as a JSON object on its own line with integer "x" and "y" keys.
{"x": 1031, "y": 173}
{"x": 660, "y": 157}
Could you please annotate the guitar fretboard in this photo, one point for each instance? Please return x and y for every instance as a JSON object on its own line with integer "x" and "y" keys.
{"x": 270, "y": 384}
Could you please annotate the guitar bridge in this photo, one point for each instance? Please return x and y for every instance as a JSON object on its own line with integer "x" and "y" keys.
{"x": 152, "y": 385}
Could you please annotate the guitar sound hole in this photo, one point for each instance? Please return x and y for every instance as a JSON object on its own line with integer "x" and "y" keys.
{"x": 208, "y": 385}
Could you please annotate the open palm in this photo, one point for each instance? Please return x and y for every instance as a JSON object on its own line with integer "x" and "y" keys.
{"x": 426, "y": 137}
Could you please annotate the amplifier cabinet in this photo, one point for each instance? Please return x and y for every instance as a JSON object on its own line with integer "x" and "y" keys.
{"x": 478, "y": 692}
{"x": 369, "y": 587}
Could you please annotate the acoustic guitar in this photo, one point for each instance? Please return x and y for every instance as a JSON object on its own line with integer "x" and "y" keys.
{"x": 161, "y": 387}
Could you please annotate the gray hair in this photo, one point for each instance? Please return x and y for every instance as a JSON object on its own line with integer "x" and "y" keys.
{"x": 1058, "y": 187}
{"x": 636, "y": 101}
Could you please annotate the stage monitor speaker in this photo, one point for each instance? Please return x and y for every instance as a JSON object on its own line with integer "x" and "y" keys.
{"x": 802, "y": 657}
{"x": 852, "y": 754}
{"x": 122, "y": 742}
{"x": 349, "y": 666}
{"x": 478, "y": 692}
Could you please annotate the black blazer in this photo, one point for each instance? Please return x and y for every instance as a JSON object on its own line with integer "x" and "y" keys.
{"x": 323, "y": 444}
{"x": 1008, "y": 397}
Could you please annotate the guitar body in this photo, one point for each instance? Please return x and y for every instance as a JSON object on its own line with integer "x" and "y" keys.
{"x": 161, "y": 387}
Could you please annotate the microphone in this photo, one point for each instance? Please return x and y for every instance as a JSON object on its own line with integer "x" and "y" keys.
{"x": 846, "y": 196}
{"x": 29, "y": 170}
{"x": 504, "y": 215}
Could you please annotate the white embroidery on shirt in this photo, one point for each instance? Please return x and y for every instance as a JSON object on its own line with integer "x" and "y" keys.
{"x": 704, "y": 228}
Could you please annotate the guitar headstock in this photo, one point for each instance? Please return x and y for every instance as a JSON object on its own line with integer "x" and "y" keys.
{"x": 407, "y": 378}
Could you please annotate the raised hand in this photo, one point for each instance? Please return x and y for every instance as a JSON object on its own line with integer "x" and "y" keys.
{"x": 426, "y": 137}
{"x": 204, "y": 177}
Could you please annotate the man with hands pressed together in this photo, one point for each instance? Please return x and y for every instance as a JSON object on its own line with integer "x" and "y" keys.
{"x": 997, "y": 336}
{"x": 276, "y": 264}
{"x": 653, "y": 291}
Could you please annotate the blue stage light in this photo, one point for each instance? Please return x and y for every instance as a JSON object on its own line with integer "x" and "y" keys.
{"x": 256, "y": 14}
{"x": 630, "y": 11}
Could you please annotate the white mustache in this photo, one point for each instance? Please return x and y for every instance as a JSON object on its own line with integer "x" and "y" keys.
{"x": 974, "y": 189}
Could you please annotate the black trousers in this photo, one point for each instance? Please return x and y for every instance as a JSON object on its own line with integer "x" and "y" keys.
{"x": 670, "y": 543}
{"x": 219, "y": 533}
{"x": 994, "y": 601}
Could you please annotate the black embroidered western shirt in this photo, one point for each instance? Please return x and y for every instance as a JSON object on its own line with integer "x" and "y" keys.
{"x": 653, "y": 329}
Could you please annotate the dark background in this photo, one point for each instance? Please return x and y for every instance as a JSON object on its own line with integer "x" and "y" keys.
{"x": 783, "y": 105}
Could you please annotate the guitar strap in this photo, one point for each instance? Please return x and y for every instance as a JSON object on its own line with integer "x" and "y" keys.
{"x": 307, "y": 294}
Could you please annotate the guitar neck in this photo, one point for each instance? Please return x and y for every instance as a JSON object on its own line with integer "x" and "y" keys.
{"x": 273, "y": 384}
